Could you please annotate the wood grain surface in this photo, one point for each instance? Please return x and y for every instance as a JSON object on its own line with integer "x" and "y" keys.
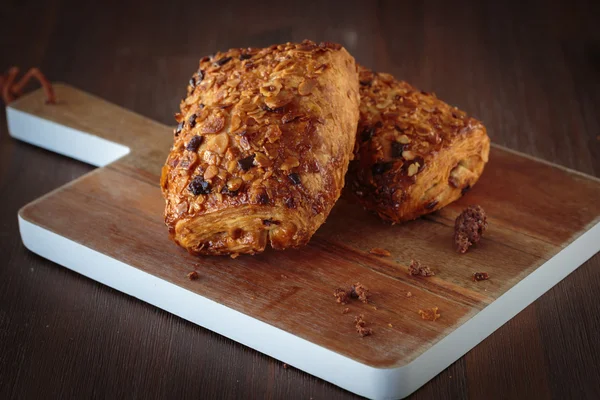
{"x": 530, "y": 72}
{"x": 117, "y": 210}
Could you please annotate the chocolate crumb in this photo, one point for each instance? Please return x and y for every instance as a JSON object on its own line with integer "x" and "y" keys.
{"x": 192, "y": 276}
{"x": 397, "y": 149}
{"x": 294, "y": 178}
{"x": 469, "y": 227}
{"x": 359, "y": 320}
{"x": 367, "y": 134}
{"x": 380, "y": 168}
{"x": 231, "y": 193}
{"x": 192, "y": 121}
{"x": 358, "y": 291}
{"x": 277, "y": 110}
{"x": 430, "y": 314}
{"x": 359, "y": 323}
{"x": 380, "y": 252}
{"x": 416, "y": 269}
{"x": 480, "y": 276}
{"x": 199, "y": 186}
{"x": 341, "y": 295}
{"x": 194, "y": 143}
{"x": 222, "y": 61}
{"x": 246, "y": 163}
{"x": 263, "y": 198}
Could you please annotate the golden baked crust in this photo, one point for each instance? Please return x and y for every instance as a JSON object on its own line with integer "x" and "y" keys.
{"x": 414, "y": 153}
{"x": 262, "y": 147}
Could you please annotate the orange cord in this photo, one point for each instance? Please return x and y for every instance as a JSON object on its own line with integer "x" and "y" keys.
{"x": 6, "y": 92}
{"x": 11, "y": 90}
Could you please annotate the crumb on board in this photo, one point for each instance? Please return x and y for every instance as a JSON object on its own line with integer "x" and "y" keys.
{"x": 480, "y": 276}
{"x": 360, "y": 324}
{"x": 390, "y": 325}
{"x": 341, "y": 295}
{"x": 416, "y": 269}
{"x": 409, "y": 294}
{"x": 430, "y": 314}
{"x": 345, "y": 310}
{"x": 378, "y": 251}
{"x": 358, "y": 291}
{"x": 469, "y": 227}
{"x": 192, "y": 276}
{"x": 234, "y": 255}
{"x": 283, "y": 276}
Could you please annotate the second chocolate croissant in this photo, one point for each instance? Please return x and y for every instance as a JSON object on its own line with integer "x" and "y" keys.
{"x": 414, "y": 153}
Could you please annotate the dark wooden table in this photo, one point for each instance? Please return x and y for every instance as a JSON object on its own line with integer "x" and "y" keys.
{"x": 530, "y": 71}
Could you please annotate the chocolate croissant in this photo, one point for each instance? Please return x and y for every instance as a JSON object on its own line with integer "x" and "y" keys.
{"x": 414, "y": 153}
{"x": 262, "y": 147}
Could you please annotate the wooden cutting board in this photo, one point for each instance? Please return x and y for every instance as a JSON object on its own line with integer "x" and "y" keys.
{"x": 544, "y": 221}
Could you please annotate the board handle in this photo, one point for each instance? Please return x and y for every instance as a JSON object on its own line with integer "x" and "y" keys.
{"x": 84, "y": 127}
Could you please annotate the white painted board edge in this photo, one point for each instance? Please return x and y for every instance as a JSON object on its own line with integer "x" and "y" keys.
{"x": 62, "y": 139}
{"x": 376, "y": 383}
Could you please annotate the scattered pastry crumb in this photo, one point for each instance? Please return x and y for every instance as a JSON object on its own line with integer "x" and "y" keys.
{"x": 234, "y": 255}
{"x": 390, "y": 325}
{"x": 345, "y": 310}
{"x": 359, "y": 323}
{"x": 469, "y": 227}
{"x": 430, "y": 314}
{"x": 341, "y": 295}
{"x": 285, "y": 366}
{"x": 284, "y": 276}
{"x": 360, "y": 292}
{"x": 416, "y": 269}
{"x": 481, "y": 276}
{"x": 374, "y": 307}
{"x": 409, "y": 294}
{"x": 192, "y": 276}
{"x": 378, "y": 251}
